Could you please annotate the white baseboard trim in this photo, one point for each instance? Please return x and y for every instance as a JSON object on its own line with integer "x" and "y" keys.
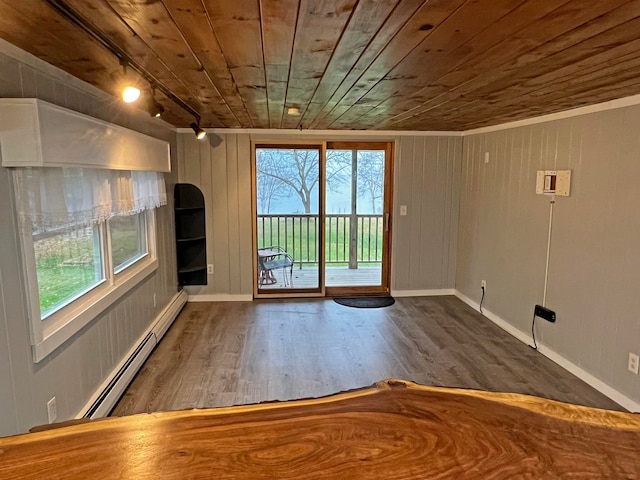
{"x": 221, "y": 297}
{"x": 615, "y": 395}
{"x": 108, "y": 393}
{"x": 422, "y": 293}
{"x": 504, "y": 325}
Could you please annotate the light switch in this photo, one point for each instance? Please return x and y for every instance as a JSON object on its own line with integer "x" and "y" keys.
{"x": 403, "y": 210}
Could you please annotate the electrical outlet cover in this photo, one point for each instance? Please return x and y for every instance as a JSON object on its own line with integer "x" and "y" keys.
{"x": 52, "y": 410}
{"x": 634, "y": 360}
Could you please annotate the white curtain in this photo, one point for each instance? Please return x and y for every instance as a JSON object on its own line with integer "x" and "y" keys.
{"x": 49, "y": 199}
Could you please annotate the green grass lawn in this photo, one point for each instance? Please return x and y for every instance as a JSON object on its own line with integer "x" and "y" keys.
{"x": 58, "y": 283}
{"x": 65, "y": 263}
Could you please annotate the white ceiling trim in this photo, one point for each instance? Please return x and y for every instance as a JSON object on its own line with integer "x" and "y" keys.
{"x": 378, "y": 134}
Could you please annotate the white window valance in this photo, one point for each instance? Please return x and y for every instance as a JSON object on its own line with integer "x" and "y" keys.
{"x": 53, "y": 199}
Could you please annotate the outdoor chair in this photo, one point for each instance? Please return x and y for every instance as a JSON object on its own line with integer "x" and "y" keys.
{"x": 273, "y": 258}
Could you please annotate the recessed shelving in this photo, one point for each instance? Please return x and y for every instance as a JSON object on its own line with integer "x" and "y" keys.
{"x": 191, "y": 241}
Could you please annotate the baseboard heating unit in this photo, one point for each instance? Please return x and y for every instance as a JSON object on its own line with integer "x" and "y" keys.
{"x": 111, "y": 394}
{"x": 107, "y": 395}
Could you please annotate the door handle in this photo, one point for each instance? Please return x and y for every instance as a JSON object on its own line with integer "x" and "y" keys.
{"x": 386, "y": 221}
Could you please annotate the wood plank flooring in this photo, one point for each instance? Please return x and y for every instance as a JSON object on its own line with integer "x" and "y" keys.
{"x": 219, "y": 354}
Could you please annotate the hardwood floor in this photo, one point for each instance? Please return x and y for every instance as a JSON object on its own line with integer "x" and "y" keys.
{"x": 219, "y": 354}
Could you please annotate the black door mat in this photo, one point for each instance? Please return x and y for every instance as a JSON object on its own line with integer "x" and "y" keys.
{"x": 366, "y": 302}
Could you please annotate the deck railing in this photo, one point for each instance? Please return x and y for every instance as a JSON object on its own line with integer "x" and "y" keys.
{"x": 345, "y": 242}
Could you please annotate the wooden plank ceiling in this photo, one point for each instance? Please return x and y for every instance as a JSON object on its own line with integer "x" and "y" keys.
{"x": 347, "y": 64}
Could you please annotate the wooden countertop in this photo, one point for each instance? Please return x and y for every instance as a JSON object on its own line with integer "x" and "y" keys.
{"x": 393, "y": 430}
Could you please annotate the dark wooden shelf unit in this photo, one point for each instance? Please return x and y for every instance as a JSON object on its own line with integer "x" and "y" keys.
{"x": 191, "y": 240}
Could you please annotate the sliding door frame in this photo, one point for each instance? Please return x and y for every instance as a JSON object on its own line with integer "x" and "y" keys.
{"x": 321, "y": 146}
{"x": 387, "y": 209}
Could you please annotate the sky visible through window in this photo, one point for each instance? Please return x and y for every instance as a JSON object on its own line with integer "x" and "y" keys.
{"x": 286, "y": 177}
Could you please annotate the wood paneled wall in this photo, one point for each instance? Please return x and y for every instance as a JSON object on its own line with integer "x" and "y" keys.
{"x": 427, "y": 181}
{"x": 427, "y": 173}
{"x": 220, "y": 166}
{"x": 594, "y": 270}
{"x": 75, "y": 370}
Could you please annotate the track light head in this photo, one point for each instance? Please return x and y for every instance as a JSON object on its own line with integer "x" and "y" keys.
{"x": 130, "y": 94}
{"x": 154, "y": 107}
{"x": 157, "y": 110}
{"x": 200, "y": 133}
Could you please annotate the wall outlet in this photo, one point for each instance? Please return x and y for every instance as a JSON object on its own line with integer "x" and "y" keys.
{"x": 210, "y": 269}
{"x": 52, "y": 410}
{"x": 483, "y": 284}
{"x": 634, "y": 360}
{"x": 543, "y": 312}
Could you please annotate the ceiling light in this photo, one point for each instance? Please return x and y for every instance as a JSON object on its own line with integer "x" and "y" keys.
{"x": 293, "y": 111}
{"x": 200, "y": 133}
{"x": 130, "y": 94}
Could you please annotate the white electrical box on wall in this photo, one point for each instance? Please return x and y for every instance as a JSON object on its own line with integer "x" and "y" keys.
{"x": 553, "y": 182}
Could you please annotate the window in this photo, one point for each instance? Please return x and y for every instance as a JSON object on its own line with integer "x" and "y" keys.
{"x": 88, "y": 237}
{"x": 68, "y": 265}
{"x": 80, "y": 272}
{"x": 128, "y": 240}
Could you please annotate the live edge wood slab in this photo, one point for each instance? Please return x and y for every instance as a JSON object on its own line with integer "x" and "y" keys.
{"x": 393, "y": 430}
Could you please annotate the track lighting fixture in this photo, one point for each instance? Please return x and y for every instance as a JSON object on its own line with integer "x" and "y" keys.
{"x": 126, "y": 60}
{"x": 130, "y": 93}
{"x": 156, "y": 110}
{"x": 153, "y": 106}
{"x": 200, "y": 133}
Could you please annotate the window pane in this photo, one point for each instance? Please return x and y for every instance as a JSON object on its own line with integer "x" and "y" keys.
{"x": 288, "y": 200}
{"x": 67, "y": 265}
{"x": 128, "y": 240}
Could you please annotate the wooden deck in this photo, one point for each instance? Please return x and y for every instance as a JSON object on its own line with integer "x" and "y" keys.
{"x": 307, "y": 277}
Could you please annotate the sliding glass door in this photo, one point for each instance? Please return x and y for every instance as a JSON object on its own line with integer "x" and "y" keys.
{"x": 357, "y": 220}
{"x": 288, "y": 188}
{"x": 322, "y": 223}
